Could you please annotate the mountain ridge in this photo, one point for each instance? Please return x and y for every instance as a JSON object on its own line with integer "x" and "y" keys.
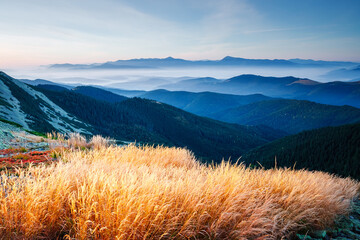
{"x": 178, "y": 62}
{"x": 292, "y": 116}
{"x": 149, "y": 121}
{"x": 135, "y": 119}
{"x": 289, "y": 115}
{"x": 333, "y": 93}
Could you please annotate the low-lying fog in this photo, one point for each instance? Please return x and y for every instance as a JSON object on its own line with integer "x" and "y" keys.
{"x": 149, "y": 79}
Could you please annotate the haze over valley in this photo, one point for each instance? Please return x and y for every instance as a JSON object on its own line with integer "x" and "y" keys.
{"x": 150, "y": 74}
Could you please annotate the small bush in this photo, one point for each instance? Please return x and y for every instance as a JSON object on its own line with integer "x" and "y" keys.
{"x": 76, "y": 140}
{"x": 21, "y": 157}
{"x": 22, "y": 150}
{"x": 98, "y": 142}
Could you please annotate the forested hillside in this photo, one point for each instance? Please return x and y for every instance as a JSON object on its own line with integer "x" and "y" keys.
{"x": 149, "y": 121}
{"x": 99, "y": 94}
{"x": 331, "y": 149}
{"x": 334, "y": 93}
{"x": 292, "y": 116}
{"x": 202, "y": 103}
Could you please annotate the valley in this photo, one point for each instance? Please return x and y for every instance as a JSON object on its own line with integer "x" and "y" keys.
{"x": 190, "y": 119}
{"x": 248, "y": 128}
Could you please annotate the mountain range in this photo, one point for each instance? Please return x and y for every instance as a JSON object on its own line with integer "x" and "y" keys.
{"x": 334, "y": 93}
{"x": 47, "y": 107}
{"x": 177, "y": 62}
{"x": 148, "y": 119}
{"x": 152, "y": 122}
{"x": 291, "y": 116}
{"x": 345, "y": 74}
{"x": 202, "y": 103}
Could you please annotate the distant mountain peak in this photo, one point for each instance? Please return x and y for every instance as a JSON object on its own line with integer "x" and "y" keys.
{"x": 306, "y": 82}
{"x": 230, "y": 58}
{"x": 244, "y": 77}
{"x": 357, "y": 68}
{"x": 4, "y": 74}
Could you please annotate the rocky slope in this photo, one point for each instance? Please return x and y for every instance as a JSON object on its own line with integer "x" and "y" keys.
{"x": 346, "y": 227}
{"x": 31, "y": 109}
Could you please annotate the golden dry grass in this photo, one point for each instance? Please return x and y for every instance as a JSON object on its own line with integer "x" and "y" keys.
{"x": 164, "y": 193}
{"x": 77, "y": 141}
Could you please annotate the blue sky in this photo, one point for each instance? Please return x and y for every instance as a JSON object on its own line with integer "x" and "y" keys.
{"x": 82, "y": 31}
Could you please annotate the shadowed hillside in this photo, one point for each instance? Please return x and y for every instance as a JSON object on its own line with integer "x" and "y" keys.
{"x": 99, "y": 94}
{"x": 203, "y": 103}
{"x": 331, "y": 149}
{"x": 149, "y": 121}
{"x": 292, "y": 116}
{"x": 334, "y": 93}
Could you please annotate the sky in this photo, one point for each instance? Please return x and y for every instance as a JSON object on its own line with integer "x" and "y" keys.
{"x": 40, "y": 32}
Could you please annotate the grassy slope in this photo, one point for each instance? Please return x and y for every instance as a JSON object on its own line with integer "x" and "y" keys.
{"x": 152, "y": 193}
{"x": 331, "y": 149}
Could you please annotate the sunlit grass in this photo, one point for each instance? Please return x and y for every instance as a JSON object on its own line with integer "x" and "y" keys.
{"x": 164, "y": 193}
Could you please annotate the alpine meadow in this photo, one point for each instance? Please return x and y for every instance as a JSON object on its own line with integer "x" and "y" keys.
{"x": 197, "y": 120}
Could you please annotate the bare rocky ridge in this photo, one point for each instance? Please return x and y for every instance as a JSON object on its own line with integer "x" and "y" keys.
{"x": 31, "y": 109}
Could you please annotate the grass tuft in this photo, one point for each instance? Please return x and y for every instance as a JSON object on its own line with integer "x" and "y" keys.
{"x": 163, "y": 193}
